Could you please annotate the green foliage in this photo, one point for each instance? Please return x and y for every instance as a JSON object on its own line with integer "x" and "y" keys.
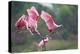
{"x": 61, "y": 44}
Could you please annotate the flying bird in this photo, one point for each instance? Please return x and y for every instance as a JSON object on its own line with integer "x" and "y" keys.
{"x": 51, "y": 25}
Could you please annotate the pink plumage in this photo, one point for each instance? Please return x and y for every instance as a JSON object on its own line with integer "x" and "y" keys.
{"x": 51, "y": 25}
{"x": 32, "y": 12}
{"x": 33, "y": 17}
{"x": 20, "y": 23}
{"x": 29, "y": 21}
{"x": 43, "y": 42}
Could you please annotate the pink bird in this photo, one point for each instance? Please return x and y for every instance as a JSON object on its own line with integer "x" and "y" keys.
{"x": 30, "y": 21}
{"x": 43, "y": 42}
{"x": 21, "y": 23}
{"x": 33, "y": 17}
{"x": 51, "y": 25}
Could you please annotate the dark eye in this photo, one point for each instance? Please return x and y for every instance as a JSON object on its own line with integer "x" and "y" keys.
{"x": 29, "y": 27}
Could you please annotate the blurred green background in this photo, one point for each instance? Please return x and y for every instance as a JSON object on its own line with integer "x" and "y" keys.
{"x": 65, "y": 38}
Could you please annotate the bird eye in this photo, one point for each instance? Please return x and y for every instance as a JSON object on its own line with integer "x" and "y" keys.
{"x": 29, "y": 27}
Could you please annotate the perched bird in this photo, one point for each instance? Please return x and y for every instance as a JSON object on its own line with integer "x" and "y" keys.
{"x": 43, "y": 42}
